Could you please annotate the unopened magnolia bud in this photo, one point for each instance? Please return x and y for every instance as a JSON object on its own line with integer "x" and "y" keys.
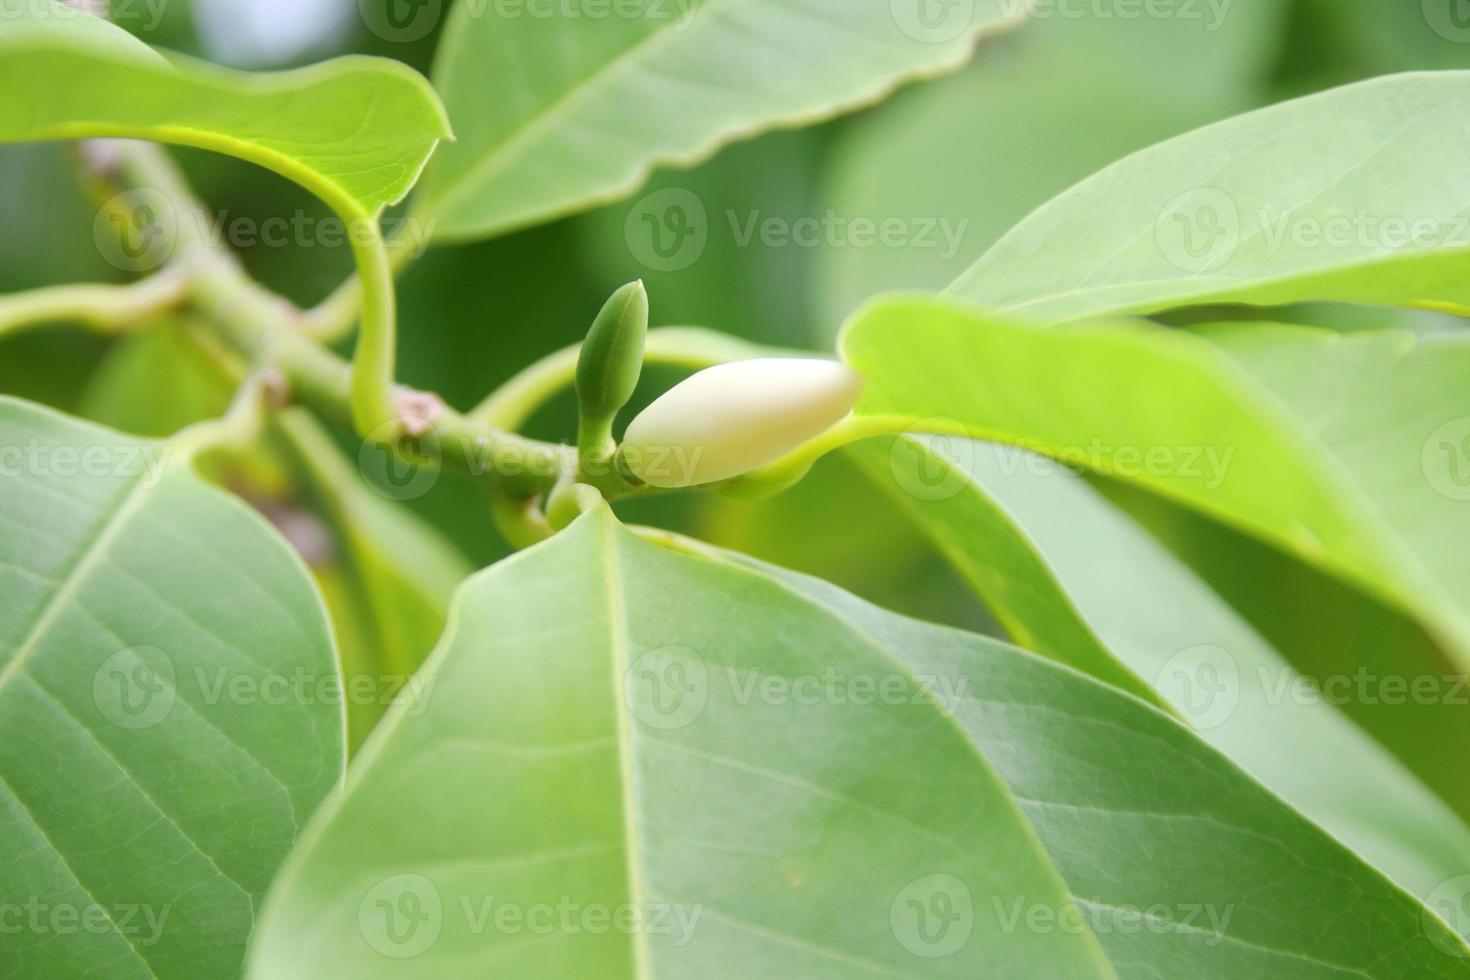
{"x": 734, "y": 418}
{"x": 610, "y": 364}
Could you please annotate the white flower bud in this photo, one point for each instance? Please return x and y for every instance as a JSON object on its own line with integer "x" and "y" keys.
{"x": 734, "y": 418}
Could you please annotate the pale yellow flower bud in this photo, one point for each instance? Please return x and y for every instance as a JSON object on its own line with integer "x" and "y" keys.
{"x": 733, "y": 418}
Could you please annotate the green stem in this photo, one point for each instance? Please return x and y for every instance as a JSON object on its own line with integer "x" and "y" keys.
{"x": 267, "y": 331}
{"x": 104, "y": 308}
{"x": 335, "y": 317}
{"x": 373, "y": 401}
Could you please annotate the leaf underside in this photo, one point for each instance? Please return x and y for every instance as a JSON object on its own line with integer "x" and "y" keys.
{"x": 154, "y": 765}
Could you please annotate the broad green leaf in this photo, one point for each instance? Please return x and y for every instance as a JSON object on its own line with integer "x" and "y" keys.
{"x": 391, "y": 578}
{"x": 557, "y": 114}
{"x": 167, "y": 721}
{"x": 1347, "y": 641}
{"x": 1072, "y": 572}
{"x": 1352, "y": 195}
{"x": 1044, "y": 108}
{"x": 618, "y": 727}
{"x": 159, "y": 380}
{"x": 1376, "y": 499}
{"x": 355, "y": 131}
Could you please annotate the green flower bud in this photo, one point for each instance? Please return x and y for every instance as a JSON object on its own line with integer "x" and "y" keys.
{"x": 610, "y": 365}
{"x": 734, "y": 418}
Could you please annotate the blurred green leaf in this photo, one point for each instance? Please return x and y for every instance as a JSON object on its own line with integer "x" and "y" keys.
{"x": 1326, "y": 197}
{"x": 391, "y": 575}
{"x": 355, "y": 131}
{"x": 159, "y": 380}
{"x": 1040, "y": 110}
{"x": 583, "y": 108}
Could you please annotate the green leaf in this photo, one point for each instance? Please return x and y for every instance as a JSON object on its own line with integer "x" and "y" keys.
{"x": 163, "y": 734}
{"x": 159, "y": 380}
{"x": 556, "y": 115}
{"x": 1352, "y": 473}
{"x": 1046, "y": 107}
{"x": 610, "y": 730}
{"x": 1069, "y": 573}
{"x": 1352, "y": 195}
{"x": 388, "y": 583}
{"x": 354, "y": 131}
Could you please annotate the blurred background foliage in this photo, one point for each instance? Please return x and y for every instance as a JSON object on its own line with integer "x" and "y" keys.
{"x": 1038, "y": 110}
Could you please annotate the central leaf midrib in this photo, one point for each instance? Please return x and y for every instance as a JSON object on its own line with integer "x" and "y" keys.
{"x": 618, "y": 637}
